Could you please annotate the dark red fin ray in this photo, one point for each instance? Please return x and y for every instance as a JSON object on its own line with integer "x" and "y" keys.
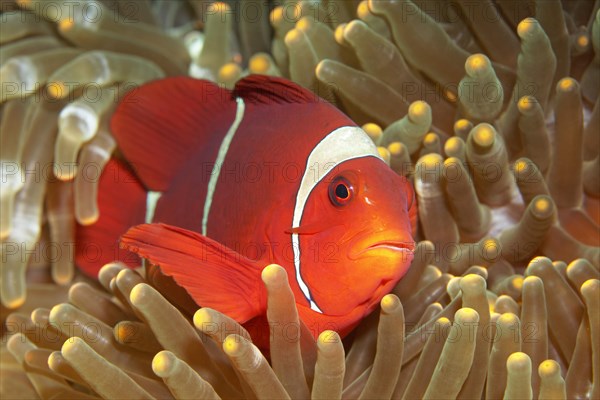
{"x": 122, "y": 204}
{"x": 159, "y": 125}
{"x": 262, "y": 89}
{"x": 214, "y": 275}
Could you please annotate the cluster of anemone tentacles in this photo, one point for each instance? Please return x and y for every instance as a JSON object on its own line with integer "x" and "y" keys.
{"x": 490, "y": 108}
{"x": 451, "y": 338}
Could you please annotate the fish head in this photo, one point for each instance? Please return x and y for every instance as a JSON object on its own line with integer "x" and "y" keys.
{"x": 355, "y": 237}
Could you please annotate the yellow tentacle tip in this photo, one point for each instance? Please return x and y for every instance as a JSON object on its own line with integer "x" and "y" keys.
{"x": 220, "y": 7}
{"x": 583, "y": 40}
{"x": 450, "y": 96}
{"x": 338, "y": 33}
{"x": 431, "y": 138}
{"x": 293, "y": 37}
{"x": 518, "y": 361}
{"x": 390, "y": 303}
{"x": 477, "y": 64}
{"x": 39, "y": 316}
{"x": 527, "y": 26}
{"x": 66, "y": 24}
{"x": 71, "y": 346}
{"x": 566, "y": 85}
{"x": 24, "y": 3}
{"x": 548, "y": 368}
{"x": 418, "y": 111}
{"x": 353, "y": 29}
{"x": 122, "y": 332}
{"x": 276, "y": 16}
{"x": 462, "y": 124}
{"x": 162, "y": 363}
{"x": 202, "y": 317}
{"x": 89, "y": 219}
{"x": 259, "y": 64}
{"x": 542, "y": 206}
{"x": 538, "y": 264}
{"x": 484, "y": 135}
{"x": 472, "y": 283}
{"x": 453, "y": 144}
{"x": 273, "y": 274}
{"x": 384, "y": 153}
{"x": 14, "y": 302}
{"x": 323, "y": 69}
{"x": 431, "y": 161}
{"x": 590, "y": 287}
{"x": 5, "y": 231}
{"x": 466, "y": 315}
{"x": 327, "y": 339}
{"x": 54, "y": 360}
{"x": 526, "y": 104}
{"x": 491, "y": 248}
{"x": 517, "y": 282}
{"x": 531, "y": 281}
{"x": 396, "y": 148}
{"x": 375, "y": 6}
{"x": 451, "y": 162}
{"x": 508, "y": 319}
{"x": 373, "y": 130}
{"x": 56, "y": 90}
{"x": 232, "y": 345}
{"x": 229, "y": 70}
{"x": 362, "y": 10}
{"x": 138, "y": 294}
{"x": 521, "y": 166}
{"x": 62, "y": 278}
{"x": 61, "y": 312}
{"x": 304, "y": 24}
{"x": 229, "y": 74}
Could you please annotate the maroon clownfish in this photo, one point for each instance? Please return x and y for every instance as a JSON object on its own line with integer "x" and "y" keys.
{"x": 235, "y": 180}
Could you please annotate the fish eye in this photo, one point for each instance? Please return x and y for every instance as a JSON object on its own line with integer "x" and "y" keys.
{"x": 340, "y": 191}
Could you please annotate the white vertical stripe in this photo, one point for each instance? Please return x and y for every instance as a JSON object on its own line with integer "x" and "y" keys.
{"x": 214, "y": 176}
{"x": 341, "y": 145}
{"x": 151, "y": 200}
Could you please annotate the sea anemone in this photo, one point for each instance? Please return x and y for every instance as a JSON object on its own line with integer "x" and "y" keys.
{"x": 490, "y": 108}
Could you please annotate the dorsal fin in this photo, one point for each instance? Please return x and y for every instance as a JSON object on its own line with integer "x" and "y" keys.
{"x": 262, "y": 89}
{"x": 161, "y": 123}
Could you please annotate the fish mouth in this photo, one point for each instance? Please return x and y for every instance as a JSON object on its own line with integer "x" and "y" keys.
{"x": 396, "y": 243}
{"x": 393, "y": 245}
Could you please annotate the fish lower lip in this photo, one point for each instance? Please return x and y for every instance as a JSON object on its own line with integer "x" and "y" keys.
{"x": 393, "y": 246}
{"x": 392, "y": 243}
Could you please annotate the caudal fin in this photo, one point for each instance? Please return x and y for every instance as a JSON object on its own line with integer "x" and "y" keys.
{"x": 122, "y": 204}
{"x": 213, "y": 275}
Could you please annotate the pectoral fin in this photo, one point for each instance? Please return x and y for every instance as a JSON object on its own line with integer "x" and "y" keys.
{"x": 214, "y": 275}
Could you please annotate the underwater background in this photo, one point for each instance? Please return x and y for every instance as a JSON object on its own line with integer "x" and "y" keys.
{"x": 489, "y": 107}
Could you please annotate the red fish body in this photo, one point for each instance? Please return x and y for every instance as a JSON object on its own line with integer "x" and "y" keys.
{"x": 268, "y": 173}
